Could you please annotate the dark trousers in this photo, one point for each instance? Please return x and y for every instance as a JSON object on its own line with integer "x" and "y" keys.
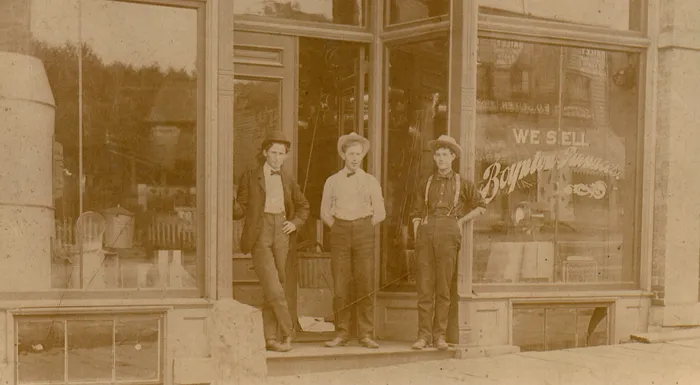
{"x": 437, "y": 247}
{"x": 269, "y": 259}
{"x": 352, "y": 264}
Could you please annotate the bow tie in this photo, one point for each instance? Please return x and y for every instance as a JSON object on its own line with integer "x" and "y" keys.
{"x": 351, "y": 174}
{"x": 273, "y": 173}
{"x": 444, "y": 177}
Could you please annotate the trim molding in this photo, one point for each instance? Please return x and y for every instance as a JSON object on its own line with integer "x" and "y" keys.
{"x": 280, "y": 27}
{"x": 560, "y": 33}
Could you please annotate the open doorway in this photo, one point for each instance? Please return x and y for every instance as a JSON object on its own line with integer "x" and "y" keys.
{"x": 333, "y": 97}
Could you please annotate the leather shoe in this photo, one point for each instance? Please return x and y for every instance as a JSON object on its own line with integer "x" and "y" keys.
{"x": 369, "y": 343}
{"x": 286, "y": 344}
{"x": 420, "y": 344}
{"x": 441, "y": 344}
{"x": 277, "y": 346}
{"x": 336, "y": 342}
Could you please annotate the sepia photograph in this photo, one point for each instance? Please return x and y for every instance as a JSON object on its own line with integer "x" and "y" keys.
{"x": 379, "y": 192}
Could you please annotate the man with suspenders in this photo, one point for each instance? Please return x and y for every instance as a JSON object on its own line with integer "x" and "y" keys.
{"x": 443, "y": 204}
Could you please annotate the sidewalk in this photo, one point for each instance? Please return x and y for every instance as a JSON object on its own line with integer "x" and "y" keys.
{"x": 673, "y": 363}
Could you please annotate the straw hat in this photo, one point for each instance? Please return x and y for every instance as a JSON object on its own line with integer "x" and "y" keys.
{"x": 445, "y": 141}
{"x": 353, "y": 138}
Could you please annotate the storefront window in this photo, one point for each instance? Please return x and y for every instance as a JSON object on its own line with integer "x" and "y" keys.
{"x": 125, "y": 143}
{"x": 404, "y": 11}
{"x": 347, "y": 12}
{"x": 417, "y": 113}
{"x": 616, "y": 14}
{"x": 559, "y": 182}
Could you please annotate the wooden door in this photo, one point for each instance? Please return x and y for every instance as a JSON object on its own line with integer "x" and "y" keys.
{"x": 264, "y": 101}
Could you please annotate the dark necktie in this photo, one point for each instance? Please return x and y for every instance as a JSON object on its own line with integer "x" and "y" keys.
{"x": 277, "y": 172}
{"x": 443, "y": 177}
{"x": 351, "y": 174}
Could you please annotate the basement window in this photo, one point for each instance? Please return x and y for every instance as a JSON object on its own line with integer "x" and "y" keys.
{"x": 78, "y": 349}
{"x": 555, "y": 327}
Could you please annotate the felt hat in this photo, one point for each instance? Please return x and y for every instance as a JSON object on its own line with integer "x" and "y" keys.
{"x": 350, "y": 138}
{"x": 275, "y": 137}
{"x": 445, "y": 141}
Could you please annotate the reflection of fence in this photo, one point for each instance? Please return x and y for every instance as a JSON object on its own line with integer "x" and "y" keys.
{"x": 172, "y": 233}
{"x": 65, "y": 232}
{"x": 168, "y": 232}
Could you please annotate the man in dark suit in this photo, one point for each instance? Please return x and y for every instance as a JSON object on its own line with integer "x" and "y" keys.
{"x": 274, "y": 208}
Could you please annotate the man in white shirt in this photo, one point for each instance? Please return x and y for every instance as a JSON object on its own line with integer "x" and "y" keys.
{"x": 351, "y": 206}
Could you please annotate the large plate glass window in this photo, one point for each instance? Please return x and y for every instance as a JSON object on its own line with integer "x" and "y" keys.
{"x": 556, "y": 161}
{"x": 126, "y": 134}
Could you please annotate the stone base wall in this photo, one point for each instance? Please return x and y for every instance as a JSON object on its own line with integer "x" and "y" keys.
{"x": 237, "y": 344}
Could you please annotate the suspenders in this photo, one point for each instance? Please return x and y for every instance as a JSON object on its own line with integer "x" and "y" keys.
{"x": 458, "y": 183}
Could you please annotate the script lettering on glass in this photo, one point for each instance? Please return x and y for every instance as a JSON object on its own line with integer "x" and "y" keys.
{"x": 497, "y": 178}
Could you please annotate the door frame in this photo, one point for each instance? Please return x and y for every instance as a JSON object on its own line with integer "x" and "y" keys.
{"x": 260, "y": 56}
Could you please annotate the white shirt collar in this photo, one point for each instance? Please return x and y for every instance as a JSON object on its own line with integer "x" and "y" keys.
{"x": 267, "y": 169}
{"x": 359, "y": 171}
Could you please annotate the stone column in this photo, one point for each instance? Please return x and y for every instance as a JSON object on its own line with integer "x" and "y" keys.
{"x": 26, "y": 155}
{"x": 676, "y": 225}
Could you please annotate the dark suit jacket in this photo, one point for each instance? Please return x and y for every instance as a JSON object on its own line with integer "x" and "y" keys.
{"x": 250, "y": 204}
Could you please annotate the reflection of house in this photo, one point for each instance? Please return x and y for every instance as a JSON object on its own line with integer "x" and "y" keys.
{"x": 173, "y": 122}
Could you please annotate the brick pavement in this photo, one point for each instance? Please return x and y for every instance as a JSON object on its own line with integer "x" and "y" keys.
{"x": 672, "y": 363}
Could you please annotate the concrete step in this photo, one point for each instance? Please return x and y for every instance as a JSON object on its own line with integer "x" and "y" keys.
{"x": 313, "y": 357}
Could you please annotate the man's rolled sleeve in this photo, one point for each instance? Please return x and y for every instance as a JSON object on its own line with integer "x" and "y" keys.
{"x": 473, "y": 197}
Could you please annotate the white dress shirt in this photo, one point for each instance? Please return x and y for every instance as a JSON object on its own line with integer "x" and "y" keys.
{"x": 352, "y": 197}
{"x": 274, "y": 192}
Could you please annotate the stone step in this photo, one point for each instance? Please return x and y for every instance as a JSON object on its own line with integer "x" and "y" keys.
{"x": 311, "y": 357}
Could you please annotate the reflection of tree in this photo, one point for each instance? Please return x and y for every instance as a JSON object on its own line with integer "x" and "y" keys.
{"x": 117, "y": 99}
{"x": 290, "y": 10}
{"x": 256, "y": 107}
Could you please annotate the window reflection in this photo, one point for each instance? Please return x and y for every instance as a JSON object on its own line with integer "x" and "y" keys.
{"x": 418, "y": 87}
{"x": 619, "y": 14}
{"x": 403, "y": 11}
{"x": 89, "y": 350}
{"x": 40, "y": 351}
{"x": 124, "y": 349}
{"x": 256, "y": 106}
{"x": 348, "y": 12}
{"x": 137, "y": 349}
{"x": 554, "y": 177}
{"x": 125, "y": 160}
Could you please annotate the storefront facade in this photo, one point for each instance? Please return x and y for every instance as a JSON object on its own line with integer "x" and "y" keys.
{"x": 577, "y": 125}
